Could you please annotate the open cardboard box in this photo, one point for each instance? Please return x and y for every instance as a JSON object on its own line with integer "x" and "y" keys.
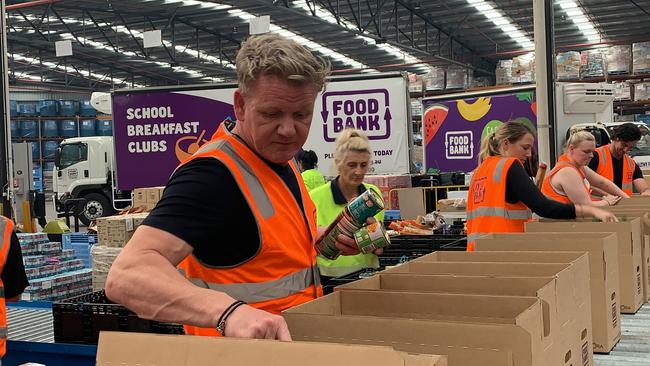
{"x": 603, "y": 269}
{"x": 117, "y": 348}
{"x": 630, "y": 258}
{"x": 643, "y": 213}
{"x": 575, "y": 300}
{"x": 566, "y": 347}
{"x": 492, "y": 330}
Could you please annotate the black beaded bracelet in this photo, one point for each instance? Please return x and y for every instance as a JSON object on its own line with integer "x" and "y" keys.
{"x": 221, "y": 324}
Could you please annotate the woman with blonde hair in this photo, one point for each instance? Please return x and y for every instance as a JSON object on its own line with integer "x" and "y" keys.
{"x": 502, "y": 195}
{"x": 571, "y": 179}
{"x": 352, "y": 160}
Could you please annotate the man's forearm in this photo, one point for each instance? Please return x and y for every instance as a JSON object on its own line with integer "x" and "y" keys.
{"x": 154, "y": 289}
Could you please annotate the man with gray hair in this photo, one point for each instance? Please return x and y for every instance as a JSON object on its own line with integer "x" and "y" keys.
{"x": 236, "y": 218}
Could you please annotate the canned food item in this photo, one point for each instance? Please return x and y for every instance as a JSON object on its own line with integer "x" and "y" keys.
{"x": 366, "y": 205}
{"x": 371, "y": 237}
{"x": 326, "y": 243}
{"x": 347, "y": 225}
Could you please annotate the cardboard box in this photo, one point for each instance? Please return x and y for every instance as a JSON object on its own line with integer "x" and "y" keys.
{"x": 116, "y": 348}
{"x": 139, "y": 196}
{"x": 497, "y": 330}
{"x": 603, "y": 263}
{"x": 566, "y": 345}
{"x": 630, "y": 258}
{"x": 574, "y": 304}
{"x": 116, "y": 231}
{"x": 625, "y": 212}
{"x": 154, "y": 194}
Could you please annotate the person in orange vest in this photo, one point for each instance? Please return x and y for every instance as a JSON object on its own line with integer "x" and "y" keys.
{"x": 13, "y": 279}
{"x": 571, "y": 179}
{"x": 502, "y": 195}
{"x": 236, "y": 217}
{"x": 613, "y": 162}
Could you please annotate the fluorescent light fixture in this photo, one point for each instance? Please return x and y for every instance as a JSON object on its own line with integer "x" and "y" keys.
{"x": 394, "y": 51}
{"x": 483, "y": 7}
{"x": 578, "y": 17}
{"x": 140, "y": 35}
{"x": 506, "y": 25}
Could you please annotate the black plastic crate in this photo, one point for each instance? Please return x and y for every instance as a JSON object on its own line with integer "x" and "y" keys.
{"x": 80, "y": 319}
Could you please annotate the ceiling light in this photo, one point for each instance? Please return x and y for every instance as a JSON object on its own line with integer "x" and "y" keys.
{"x": 506, "y": 25}
{"x": 580, "y": 20}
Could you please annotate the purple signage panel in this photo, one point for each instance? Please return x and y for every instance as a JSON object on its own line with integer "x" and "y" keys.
{"x": 155, "y": 131}
{"x": 454, "y": 128}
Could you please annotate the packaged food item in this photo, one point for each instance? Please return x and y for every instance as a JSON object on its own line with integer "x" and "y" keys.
{"x": 619, "y": 59}
{"x": 371, "y": 238}
{"x": 435, "y": 79}
{"x": 592, "y": 63}
{"x": 622, "y": 90}
{"x": 504, "y": 72}
{"x": 641, "y": 57}
{"x": 568, "y": 65}
{"x": 353, "y": 217}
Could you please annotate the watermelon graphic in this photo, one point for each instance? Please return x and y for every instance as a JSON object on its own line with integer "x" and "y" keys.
{"x": 434, "y": 116}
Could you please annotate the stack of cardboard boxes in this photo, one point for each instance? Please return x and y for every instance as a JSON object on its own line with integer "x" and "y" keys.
{"x": 113, "y": 233}
{"x": 552, "y": 295}
{"x": 146, "y": 197}
{"x": 514, "y": 308}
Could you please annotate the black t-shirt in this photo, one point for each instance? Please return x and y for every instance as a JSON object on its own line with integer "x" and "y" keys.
{"x": 203, "y": 205}
{"x": 519, "y": 187}
{"x": 618, "y": 169}
{"x": 13, "y": 275}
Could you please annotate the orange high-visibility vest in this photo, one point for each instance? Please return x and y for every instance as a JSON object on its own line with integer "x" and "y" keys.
{"x": 6, "y": 229}
{"x": 606, "y": 168}
{"x": 551, "y": 192}
{"x": 487, "y": 209}
{"x": 284, "y": 272}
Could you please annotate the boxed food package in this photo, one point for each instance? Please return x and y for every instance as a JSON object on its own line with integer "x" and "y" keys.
{"x": 523, "y": 68}
{"x": 116, "y": 231}
{"x": 603, "y": 271}
{"x": 504, "y": 72}
{"x": 456, "y": 77}
{"x": 435, "y": 79}
{"x": 592, "y": 63}
{"x": 497, "y": 330}
{"x": 568, "y": 346}
{"x": 630, "y": 258}
{"x": 568, "y": 65}
{"x": 103, "y": 258}
{"x": 387, "y": 183}
{"x": 139, "y": 197}
{"x": 416, "y": 107}
{"x": 619, "y": 59}
{"x": 622, "y": 91}
{"x": 116, "y": 348}
{"x": 641, "y": 57}
{"x": 416, "y": 84}
{"x": 642, "y": 91}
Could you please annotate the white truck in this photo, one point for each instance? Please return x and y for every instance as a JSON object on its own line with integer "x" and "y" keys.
{"x": 154, "y": 129}
{"x": 84, "y": 168}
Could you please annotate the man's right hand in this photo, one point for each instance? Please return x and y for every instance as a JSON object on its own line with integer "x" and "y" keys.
{"x": 248, "y": 322}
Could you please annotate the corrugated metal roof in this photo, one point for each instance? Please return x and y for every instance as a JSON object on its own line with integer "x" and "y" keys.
{"x": 421, "y": 29}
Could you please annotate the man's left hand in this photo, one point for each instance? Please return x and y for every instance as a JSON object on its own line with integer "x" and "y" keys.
{"x": 646, "y": 192}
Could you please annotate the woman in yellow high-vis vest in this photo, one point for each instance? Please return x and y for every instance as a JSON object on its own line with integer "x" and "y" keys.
{"x": 307, "y": 162}
{"x": 502, "y": 195}
{"x": 352, "y": 160}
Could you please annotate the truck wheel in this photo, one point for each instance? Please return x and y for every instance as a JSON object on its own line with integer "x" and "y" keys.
{"x": 97, "y": 205}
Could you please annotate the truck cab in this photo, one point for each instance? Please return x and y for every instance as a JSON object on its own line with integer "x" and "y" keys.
{"x": 84, "y": 169}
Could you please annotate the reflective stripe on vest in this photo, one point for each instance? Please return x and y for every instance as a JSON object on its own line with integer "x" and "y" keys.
{"x": 498, "y": 171}
{"x": 288, "y": 285}
{"x": 262, "y": 199}
{"x": 499, "y": 212}
{"x": 603, "y": 155}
